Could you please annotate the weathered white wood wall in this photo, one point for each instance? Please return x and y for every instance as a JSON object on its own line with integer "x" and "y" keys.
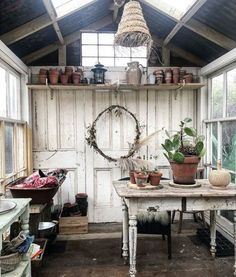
{"x": 59, "y": 129}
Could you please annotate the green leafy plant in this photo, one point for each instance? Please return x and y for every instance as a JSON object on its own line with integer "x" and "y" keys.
{"x": 185, "y": 142}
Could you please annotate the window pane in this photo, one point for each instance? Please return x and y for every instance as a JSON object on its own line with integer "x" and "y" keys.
{"x": 106, "y": 51}
{"x": 217, "y": 96}
{"x": 106, "y": 38}
{"x": 214, "y": 144}
{"x": 142, "y": 61}
{"x": 231, "y": 93}
{"x": 139, "y": 51}
{"x": 89, "y": 50}
{"x": 89, "y": 38}
{"x": 89, "y": 61}
{"x": 229, "y": 145}
{"x": 3, "y": 93}
{"x": 13, "y": 96}
{"x": 107, "y": 61}
{"x": 20, "y": 147}
{"x": 9, "y": 148}
{"x": 122, "y": 51}
{"x": 122, "y": 61}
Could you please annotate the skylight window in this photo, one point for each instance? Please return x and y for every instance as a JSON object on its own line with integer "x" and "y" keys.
{"x": 64, "y": 7}
{"x": 176, "y": 9}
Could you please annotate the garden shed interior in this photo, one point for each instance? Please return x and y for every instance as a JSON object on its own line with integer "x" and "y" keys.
{"x": 93, "y": 90}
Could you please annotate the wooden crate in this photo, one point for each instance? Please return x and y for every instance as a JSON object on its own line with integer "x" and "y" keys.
{"x": 73, "y": 225}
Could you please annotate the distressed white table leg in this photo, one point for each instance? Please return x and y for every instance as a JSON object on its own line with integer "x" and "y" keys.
{"x": 24, "y": 218}
{"x": 132, "y": 244}
{"x": 234, "y": 243}
{"x": 125, "y": 248}
{"x": 213, "y": 233}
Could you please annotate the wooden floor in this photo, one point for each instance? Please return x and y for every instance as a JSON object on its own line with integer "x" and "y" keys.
{"x": 97, "y": 254}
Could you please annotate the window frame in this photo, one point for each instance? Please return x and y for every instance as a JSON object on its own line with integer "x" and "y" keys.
{"x": 114, "y": 57}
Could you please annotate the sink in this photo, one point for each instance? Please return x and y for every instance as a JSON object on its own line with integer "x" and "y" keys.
{"x": 6, "y": 206}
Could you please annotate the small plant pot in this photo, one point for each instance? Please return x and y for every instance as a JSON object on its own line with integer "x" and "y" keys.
{"x": 176, "y": 79}
{"x": 64, "y": 79}
{"x": 154, "y": 178}
{"x": 53, "y": 78}
{"x": 141, "y": 179}
{"x": 42, "y": 78}
{"x": 188, "y": 78}
{"x": 43, "y": 71}
{"x": 76, "y": 78}
{"x": 131, "y": 176}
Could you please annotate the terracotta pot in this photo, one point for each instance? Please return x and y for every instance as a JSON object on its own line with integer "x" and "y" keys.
{"x": 168, "y": 80}
{"x": 53, "y": 78}
{"x": 176, "y": 70}
{"x": 69, "y": 71}
{"x": 64, "y": 79}
{"x": 175, "y": 79}
{"x": 43, "y": 71}
{"x": 42, "y": 78}
{"x": 76, "y": 78}
{"x": 131, "y": 176}
{"x": 154, "y": 178}
{"x": 184, "y": 173}
{"x": 53, "y": 71}
{"x": 188, "y": 78}
{"x": 141, "y": 179}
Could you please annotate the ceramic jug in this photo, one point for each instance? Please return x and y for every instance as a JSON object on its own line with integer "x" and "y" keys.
{"x": 133, "y": 73}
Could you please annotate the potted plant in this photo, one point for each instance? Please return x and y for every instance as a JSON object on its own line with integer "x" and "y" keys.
{"x": 184, "y": 150}
{"x": 155, "y": 177}
{"x": 141, "y": 177}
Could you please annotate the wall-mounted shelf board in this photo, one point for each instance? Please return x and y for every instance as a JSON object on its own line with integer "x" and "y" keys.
{"x": 189, "y": 86}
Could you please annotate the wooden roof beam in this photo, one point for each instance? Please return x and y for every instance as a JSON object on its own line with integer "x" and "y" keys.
{"x": 107, "y": 20}
{"x": 189, "y": 14}
{"x": 199, "y": 28}
{"x": 180, "y": 52}
{"x": 33, "y": 26}
{"x": 52, "y": 13}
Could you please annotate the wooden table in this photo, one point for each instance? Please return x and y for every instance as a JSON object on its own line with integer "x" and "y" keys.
{"x": 169, "y": 199}
{"x": 20, "y": 211}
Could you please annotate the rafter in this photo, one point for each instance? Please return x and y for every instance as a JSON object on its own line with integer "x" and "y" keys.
{"x": 52, "y": 13}
{"x": 190, "y": 13}
{"x": 34, "y": 26}
{"x": 107, "y": 20}
{"x": 197, "y": 27}
{"x": 180, "y": 52}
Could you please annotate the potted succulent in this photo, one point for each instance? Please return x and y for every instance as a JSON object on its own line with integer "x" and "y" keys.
{"x": 155, "y": 177}
{"x": 141, "y": 177}
{"x": 184, "y": 150}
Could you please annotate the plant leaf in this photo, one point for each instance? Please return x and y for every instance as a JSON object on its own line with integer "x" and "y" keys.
{"x": 166, "y": 156}
{"x": 178, "y": 157}
{"x": 167, "y": 133}
{"x": 199, "y": 138}
{"x": 170, "y": 156}
{"x": 199, "y": 146}
{"x": 203, "y": 152}
{"x": 176, "y": 142}
{"x": 187, "y": 120}
{"x": 190, "y": 131}
{"x": 168, "y": 145}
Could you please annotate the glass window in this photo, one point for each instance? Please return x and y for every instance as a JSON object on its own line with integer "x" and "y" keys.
{"x": 101, "y": 46}
{"x": 231, "y": 93}
{"x": 8, "y": 148}
{"x": 13, "y": 96}
{"x": 3, "y": 93}
{"x": 214, "y": 143}
{"x": 217, "y": 96}
{"x": 229, "y": 145}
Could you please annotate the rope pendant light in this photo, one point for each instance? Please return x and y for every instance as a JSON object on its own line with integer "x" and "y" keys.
{"x": 132, "y": 30}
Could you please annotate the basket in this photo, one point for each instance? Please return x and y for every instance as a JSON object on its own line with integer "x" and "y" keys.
{"x": 10, "y": 262}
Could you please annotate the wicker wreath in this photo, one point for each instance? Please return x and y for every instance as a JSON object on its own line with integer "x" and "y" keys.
{"x": 91, "y": 138}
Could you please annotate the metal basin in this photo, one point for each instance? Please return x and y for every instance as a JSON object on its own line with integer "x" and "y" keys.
{"x": 6, "y": 206}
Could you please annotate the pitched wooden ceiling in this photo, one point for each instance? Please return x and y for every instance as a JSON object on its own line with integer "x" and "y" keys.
{"x": 32, "y": 31}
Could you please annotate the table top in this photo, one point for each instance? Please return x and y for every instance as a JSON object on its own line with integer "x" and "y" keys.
{"x": 7, "y": 218}
{"x": 204, "y": 190}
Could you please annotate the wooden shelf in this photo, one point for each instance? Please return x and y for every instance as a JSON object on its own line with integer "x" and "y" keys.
{"x": 189, "y": 86}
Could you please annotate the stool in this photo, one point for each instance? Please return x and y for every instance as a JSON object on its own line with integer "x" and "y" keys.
{"x": 194, "y": 216}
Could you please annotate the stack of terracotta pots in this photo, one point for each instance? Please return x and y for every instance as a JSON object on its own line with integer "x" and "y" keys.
{"x": 168, "y": 76}
{"x": 53, "y": 76}
{"x": 188, "y": 78}
{"x": 159, "y": 76}
{"x": 43, "y": 75}
{"x": 64, "y": 78}
{"x": 176, "y": 75}
{"x": 69, "y": 71}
